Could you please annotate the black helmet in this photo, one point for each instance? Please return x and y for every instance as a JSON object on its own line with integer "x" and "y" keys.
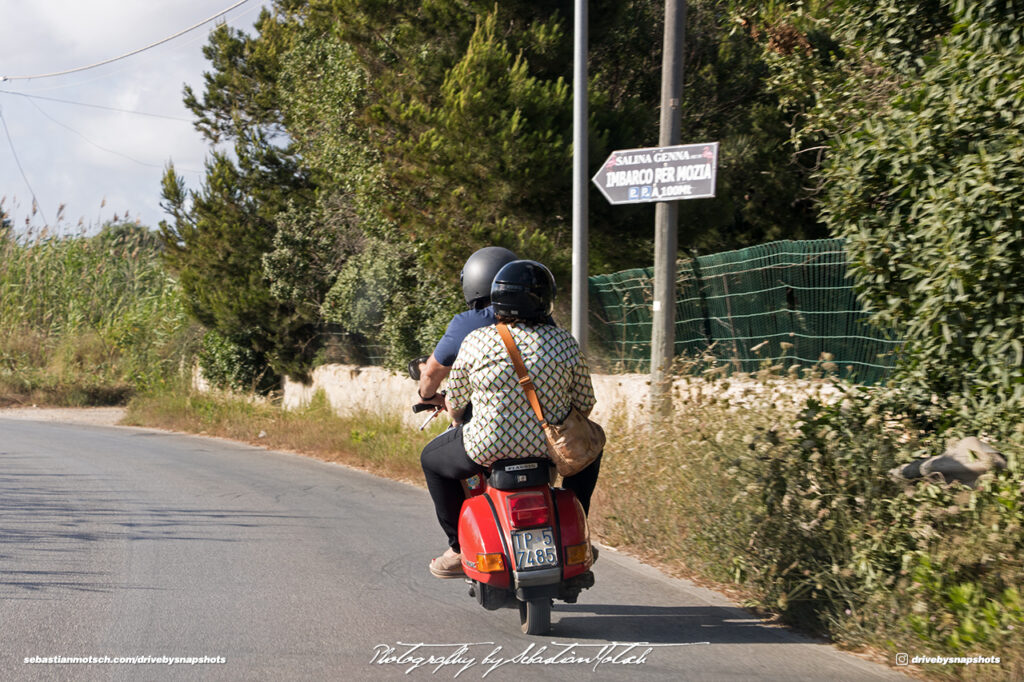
{"x": 524, "y": 289}
{"x": 479, "y": 271}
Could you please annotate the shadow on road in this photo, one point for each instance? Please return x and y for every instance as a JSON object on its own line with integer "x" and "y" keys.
{"x": 666, "y": 624}
{"x": 53, "y": 526}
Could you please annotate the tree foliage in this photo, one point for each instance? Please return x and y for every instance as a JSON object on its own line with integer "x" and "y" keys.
{"x": 240, "y": 93}
{"x": 485, "y": 159}
{"x": 218, "y": 235}
{"x": 907, "y": 111}
{"x": 419, "y": 132}
{"x": 727, "y": 97}
{"x": 833, "y": 63}
{"x": 928, "y": 196}
{"x": 216, "y": 244}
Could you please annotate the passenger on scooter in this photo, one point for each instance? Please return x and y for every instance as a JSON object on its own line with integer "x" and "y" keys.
{"x": 504, "y": 425}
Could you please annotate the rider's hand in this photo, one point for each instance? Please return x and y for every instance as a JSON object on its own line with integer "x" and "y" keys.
{"x": 432, "y": 375}
{"x": 437, "y": 399}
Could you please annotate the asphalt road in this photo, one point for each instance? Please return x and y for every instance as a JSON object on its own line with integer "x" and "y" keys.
{"x": 119, "y": 543}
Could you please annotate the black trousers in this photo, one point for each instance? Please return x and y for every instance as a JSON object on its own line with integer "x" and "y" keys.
{"x": 445, "y": 463}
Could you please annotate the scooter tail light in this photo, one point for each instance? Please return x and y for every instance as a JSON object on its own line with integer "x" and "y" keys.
{"x": 528, "y": 509}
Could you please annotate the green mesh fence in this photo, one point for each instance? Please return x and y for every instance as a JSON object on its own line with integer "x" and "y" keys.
{"x": 787, "y": 301}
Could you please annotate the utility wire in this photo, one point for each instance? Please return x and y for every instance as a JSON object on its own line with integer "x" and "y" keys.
{"x": 99, "y": 146}
{"x": 127, "y": 54}
{"x": 95, "y": 106}
{"x": 191, "y": 40}
{"x": 35, "y": 202}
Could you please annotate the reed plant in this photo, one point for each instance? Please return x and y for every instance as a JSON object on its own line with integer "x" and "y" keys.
{"x": 87, "y": 320}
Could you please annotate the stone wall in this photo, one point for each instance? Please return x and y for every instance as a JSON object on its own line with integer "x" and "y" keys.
{"x": 351, "y": 389}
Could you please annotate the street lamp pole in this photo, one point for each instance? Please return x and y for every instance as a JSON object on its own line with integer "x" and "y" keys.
{"x": 580, "y": 179}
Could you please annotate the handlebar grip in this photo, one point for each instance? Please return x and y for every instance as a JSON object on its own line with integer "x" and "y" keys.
{"x": 423, "y": 407}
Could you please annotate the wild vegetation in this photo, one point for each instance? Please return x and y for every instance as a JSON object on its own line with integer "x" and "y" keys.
{"x": 87, "y": 320}
{"x": 794, "y": 506}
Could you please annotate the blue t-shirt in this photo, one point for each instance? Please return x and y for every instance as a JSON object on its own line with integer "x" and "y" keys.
{"x": 458, "y": 329}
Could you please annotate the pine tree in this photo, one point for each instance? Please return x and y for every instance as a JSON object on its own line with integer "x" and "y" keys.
{"x": 218, "y": 235}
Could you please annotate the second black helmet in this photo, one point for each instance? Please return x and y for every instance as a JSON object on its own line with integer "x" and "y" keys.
{"x": 524, "y": 289}
{"x": 479, "y": 271}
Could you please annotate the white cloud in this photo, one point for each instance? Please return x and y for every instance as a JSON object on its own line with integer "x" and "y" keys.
{"x": 76, "y": 155}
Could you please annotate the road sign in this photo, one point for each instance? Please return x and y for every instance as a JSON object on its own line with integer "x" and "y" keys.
{"x": 634, "y": 176}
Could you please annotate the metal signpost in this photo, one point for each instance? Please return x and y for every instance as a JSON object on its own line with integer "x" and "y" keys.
{"x": 580, "y": 163}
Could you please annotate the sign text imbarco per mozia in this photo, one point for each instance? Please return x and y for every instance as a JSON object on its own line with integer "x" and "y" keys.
{"x": 684, "y": 171}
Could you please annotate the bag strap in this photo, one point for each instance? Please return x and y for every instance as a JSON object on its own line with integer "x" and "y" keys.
{"x": 524, "y": 377}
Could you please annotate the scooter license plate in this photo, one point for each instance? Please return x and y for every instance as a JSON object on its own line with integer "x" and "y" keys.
{"x": 534, "y": 548}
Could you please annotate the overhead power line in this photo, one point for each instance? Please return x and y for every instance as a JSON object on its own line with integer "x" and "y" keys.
{"x": 109, "y": 109}
{"x": 127, "y": 54}
{"x": 10, "y": 143}
{"x": 97, "y": 145}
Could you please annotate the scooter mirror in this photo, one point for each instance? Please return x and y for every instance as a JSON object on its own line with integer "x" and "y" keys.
{"x": 414, "y": 367}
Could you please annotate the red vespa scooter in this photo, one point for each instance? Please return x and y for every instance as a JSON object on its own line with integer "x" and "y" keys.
{"x": 524, "y": 542}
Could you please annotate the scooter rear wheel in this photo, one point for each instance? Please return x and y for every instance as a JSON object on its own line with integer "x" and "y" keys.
{"x": 535, "y": 616}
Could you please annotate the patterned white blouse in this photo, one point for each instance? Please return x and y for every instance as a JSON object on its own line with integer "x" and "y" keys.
{"x": 504, "y": 425}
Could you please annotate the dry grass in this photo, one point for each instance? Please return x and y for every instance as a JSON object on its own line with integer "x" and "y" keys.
{"x": 374, "y": 442}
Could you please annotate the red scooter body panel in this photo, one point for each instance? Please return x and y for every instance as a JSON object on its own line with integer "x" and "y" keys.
{"x": 478, "y": 534}
{"x": 574, "y": 530}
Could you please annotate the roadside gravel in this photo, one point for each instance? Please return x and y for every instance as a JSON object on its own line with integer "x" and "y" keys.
{"x": 97, "y": 416}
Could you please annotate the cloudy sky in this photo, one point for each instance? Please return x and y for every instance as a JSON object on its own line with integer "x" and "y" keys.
{"x": 97, "y": 162}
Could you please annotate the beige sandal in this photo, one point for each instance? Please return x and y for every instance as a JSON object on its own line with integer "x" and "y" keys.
{"x": 448, "y": 565}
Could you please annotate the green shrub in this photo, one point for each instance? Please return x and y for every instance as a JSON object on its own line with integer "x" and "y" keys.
{"x": 846, "y": 550}
{"x": 233, "y": 366}
{"x": 390, "y": 303}
{"x": 927, "y": 195}
{"x": 789, "y": 498}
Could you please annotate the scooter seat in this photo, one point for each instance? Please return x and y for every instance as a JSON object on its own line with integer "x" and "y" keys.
{"x": 513, "y": 474}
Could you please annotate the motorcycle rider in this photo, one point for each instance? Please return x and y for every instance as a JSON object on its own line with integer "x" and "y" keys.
{"x": 444, "y": 459}
{"x": 476, "y": 277}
